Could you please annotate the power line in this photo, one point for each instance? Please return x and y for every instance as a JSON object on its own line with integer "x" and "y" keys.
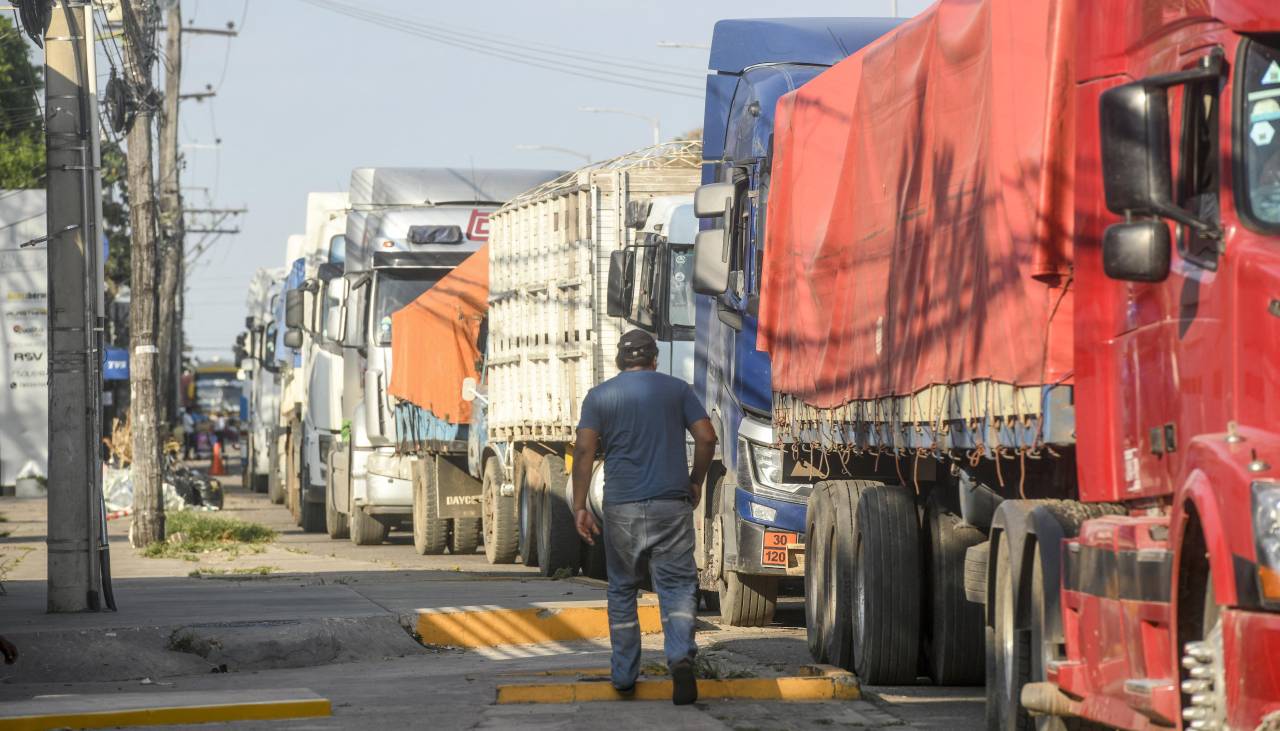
{"x": 423, "y": 31}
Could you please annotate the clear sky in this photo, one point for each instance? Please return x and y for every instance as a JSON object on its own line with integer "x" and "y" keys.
{"x": 305, "y": 94}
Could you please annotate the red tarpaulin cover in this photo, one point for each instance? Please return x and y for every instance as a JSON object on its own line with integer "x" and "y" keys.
{"x": 919, "y": 221}
{"x": 433, "y": 340}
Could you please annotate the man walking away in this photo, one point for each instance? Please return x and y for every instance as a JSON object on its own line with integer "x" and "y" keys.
{"x": 639, "y": 417}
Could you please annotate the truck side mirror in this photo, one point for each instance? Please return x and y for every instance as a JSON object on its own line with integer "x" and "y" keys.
{"x": 712, "y": 200}
{"x": 621, "y": 282}
{"x": 293, "y": 338}
{"x": 1136, "y": 169}
{"x": 1137, "y": 173}
{"x": 249, "y": 323}
{"x": 1137, "y": 251}
{"x": 470, "y": 389}
{"x": 335, "y": 325}
{"x": 711, "y": 262}
{"x": 295, "y": 309}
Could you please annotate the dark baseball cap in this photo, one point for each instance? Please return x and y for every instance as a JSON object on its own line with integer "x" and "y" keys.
{"x": 637, "y": 342}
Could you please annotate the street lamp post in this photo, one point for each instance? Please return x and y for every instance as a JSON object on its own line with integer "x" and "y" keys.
{"x": 652, "y": 120}
{"x": 554, "y": 148}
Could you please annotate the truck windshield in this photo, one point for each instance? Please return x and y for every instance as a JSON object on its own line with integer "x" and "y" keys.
{"x": 684, "y": 227}
{"x": 393, "y": 290}
{"x": 1261, "y": 135}
{"x": 218, "y": 394}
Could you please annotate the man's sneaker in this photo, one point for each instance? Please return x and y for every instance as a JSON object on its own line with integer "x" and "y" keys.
{"x": 684, "y": 686}
{"x": 626, "y": 692}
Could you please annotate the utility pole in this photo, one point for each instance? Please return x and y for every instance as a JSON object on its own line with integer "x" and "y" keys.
{"x": 75, "y": 253}
{"x": 148, "y": 497}
{"x": 171, "y": 221}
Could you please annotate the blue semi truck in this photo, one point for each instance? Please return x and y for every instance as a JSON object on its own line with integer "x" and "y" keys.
{"x": 751, "y": 527}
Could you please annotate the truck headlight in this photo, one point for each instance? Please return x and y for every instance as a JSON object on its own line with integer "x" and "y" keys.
{"x": 769, "y": 472}
{"x": 1266, "y": 531}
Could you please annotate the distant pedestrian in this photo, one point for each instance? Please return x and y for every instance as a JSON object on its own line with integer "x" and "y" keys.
{"x": 639, "y": 417}
{"x": 188, "y": 433}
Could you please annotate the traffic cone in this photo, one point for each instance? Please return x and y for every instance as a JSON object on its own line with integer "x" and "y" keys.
{"x": 215, "y": 467}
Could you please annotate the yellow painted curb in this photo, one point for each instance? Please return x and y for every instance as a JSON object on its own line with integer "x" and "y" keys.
{"x": 169, "y": 715}
{"x": 487, "y": 627}
{"x": 832, "y": 686}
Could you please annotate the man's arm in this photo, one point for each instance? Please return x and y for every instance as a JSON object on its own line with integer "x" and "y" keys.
{"x": 704, "y": 448}
{"x": 584, "y": 457}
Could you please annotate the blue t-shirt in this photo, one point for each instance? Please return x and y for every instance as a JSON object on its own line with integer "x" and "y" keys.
{"x": 641, "y": 417}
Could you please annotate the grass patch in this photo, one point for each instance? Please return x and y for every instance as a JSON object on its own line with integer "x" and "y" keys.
{"x": 249, "y": 571}
{"x": 192, "y": 532}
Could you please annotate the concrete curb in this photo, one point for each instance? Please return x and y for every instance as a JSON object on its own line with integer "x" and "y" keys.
{"x": 816, "y": 683}
{"x": 489, "y": 626}
{"x": 160, "y": 709}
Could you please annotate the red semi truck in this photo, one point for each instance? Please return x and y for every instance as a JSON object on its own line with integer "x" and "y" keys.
{"x": 1022, "y": 303}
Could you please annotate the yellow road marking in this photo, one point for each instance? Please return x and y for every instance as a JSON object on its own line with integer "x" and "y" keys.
{"x": 524, "y": 626}
{"x": 833, "y": 686}
{"x": 167, "y": 715}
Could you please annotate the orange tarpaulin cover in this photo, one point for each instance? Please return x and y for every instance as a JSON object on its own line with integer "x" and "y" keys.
{"x": 919, "y": 216}
{"x": 434, "y": 340}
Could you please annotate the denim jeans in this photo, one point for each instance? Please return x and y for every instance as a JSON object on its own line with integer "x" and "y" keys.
{"x": 660, "y": 533}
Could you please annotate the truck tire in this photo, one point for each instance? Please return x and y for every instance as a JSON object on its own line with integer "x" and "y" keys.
{"x": 464, "y": 536}
{"x": 841, "y": 555}
{"x": 558, "y": 543}
{"x": 336, "y": 523}
{"x": 501, "y": 517}
{"x": 275, "y": 486}
{"x": 313, "y": 518}
{"x": 747, "y": 600}
{"x": 430, "y": 535}
{"x": 953, "y": 625}
{"x": 366, "y": 530}
{"x": 817, "y": 572}
{"x": 527, "y": 499}
{"x": 886, "y": 586}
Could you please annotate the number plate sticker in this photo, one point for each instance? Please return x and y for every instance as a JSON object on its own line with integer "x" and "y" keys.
{"x": 773, "y": 553}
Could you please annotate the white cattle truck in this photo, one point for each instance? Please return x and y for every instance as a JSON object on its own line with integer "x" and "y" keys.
{"x": 407, "y": 228}
{"x": 553, "y": 330}
{"x": 259, "y": 369}
{"x": 318, "y": 418}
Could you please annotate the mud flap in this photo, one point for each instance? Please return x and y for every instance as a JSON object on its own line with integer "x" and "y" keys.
{"x": 458, "y": 494}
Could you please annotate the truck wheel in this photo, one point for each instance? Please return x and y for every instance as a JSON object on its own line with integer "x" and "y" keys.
{"x": 366, "y": 530}
{"x": 747, "y": 600}
{"x": 558, "y": 542}
{"x": 313, "y": 518}
{"x": 464, "y": 536}
{"x": 527, "y": 498}
{"x": 501, "y": 521}
{"x": 335, "y": 522}
{"x": 953, "y": 625}
{"x": 816, "y": 569}
{"x": 886, "y": 587}
{"x": 275, "y": 486}
{"x": 1206, "y": 700}
{"x": 841, "y": 550}
{"x": 1008, "y": 650}
{"x": 430, "y": 535}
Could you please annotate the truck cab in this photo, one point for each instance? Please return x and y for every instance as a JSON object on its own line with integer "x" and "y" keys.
{"x": 407, "y": 229}
{"x": 258, "y": 373}
{"x": 752, "y": 528}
